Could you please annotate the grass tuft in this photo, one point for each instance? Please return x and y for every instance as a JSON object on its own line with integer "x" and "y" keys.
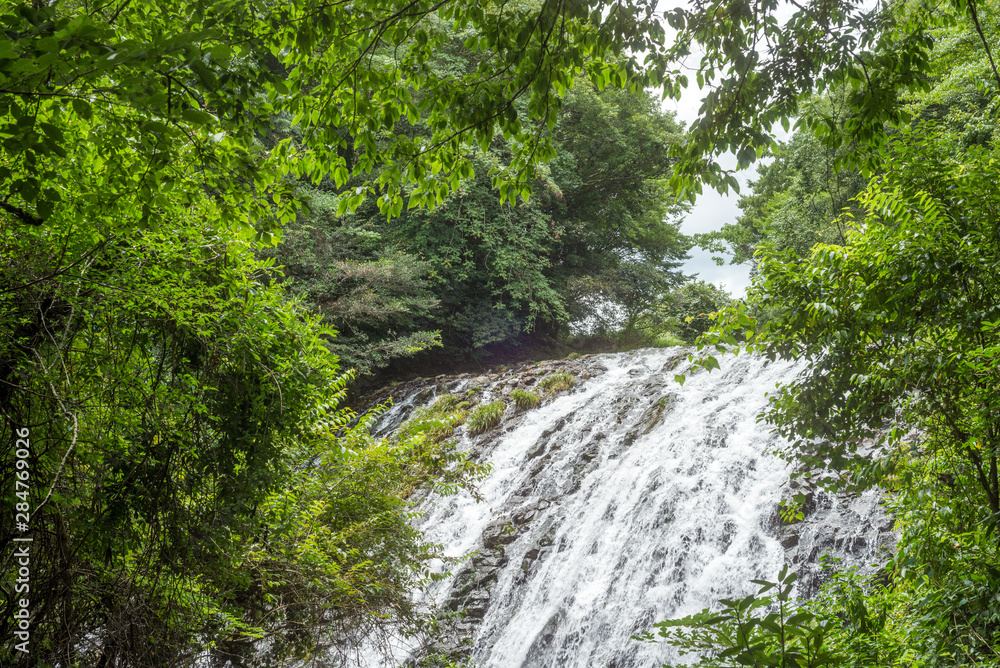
{"x": 438, "y": 421}
{"x": 557, "y": 382}
{"x": 485, "y": 416}
{"x": 525, "y": 400}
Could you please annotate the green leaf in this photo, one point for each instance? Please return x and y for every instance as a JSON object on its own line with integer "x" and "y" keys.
{"x": 197, "y": 117}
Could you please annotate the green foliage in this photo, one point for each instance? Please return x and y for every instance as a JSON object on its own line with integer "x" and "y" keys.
{"x": 854, "y": 622}
{"x": 376, "y": 296}
{"x": 875, "y": 56}
{"x": 525, "y": 400}
{"x": 117, "y": 119}
{"x": 559, "y": 381}
{"x": 757, "y": 630}
{"x": 901, "y": 319}
{"x": 148, "y": 110}
{"x": 484, "y": 417}
{"x": 438, "y": 660}
{"x": 675, "y": 318}
{"x": 668, "y": 340}
{"x": 341, "y": 541}
{"x": 109, "y": 102}
{"x": 488, "y": 263}
{"x": 193, "y": 477}
{"x": 438, "y": 421}
{"x": 619, "y": 241}
{"x": 947, "y": 565}
{"x": 649, "y": 333}
{"x": 898, "y": 323}
{"x": 790, "y": 510}
{"x": 600, "y": 229}
{"x": 688, "y": 310}
{"x": 177, "y": 400}
{"x": 163, "y": 385}
{"x": 196, "y": 487}
{"x": 797, "y": 201}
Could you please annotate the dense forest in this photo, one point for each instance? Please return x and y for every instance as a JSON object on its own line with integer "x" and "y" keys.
{"x": 216, "y": 216}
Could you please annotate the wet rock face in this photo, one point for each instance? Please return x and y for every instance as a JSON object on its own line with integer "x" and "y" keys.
{"x": 855, "y": 528}
{"x": 499, "y": 533}
{"x": 693, "y": 489}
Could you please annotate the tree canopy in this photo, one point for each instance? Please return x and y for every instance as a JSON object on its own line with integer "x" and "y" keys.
{"x": 600, "y": 233}
{"x": 122, "y": 111}
{"x": 104, "y": 106}
{"x": 795, "y": 203}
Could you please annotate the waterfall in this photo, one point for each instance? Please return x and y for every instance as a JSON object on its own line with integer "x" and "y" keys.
{"x": 628, "y": 500}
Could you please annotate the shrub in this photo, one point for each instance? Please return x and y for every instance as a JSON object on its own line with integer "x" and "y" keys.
{"x": 439, "y": 660}
{"x": 667, "y": 340}
{"x": 687, "y": 311}
{"x": 485, "y": 416}
{"x": 557, "y": 382}
{"x": 525, "y": 400}
{"x": 445, "y": 404}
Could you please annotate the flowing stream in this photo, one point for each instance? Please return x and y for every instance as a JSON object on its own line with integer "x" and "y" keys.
{"x": 627, "y": 500}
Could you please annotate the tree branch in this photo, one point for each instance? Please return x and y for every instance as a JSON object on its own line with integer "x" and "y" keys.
{"x": 986, "y": 45}
{"x": 21, "y": 214}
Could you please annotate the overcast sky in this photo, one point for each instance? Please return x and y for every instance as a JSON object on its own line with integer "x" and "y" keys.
{"x": 712, "y": 210}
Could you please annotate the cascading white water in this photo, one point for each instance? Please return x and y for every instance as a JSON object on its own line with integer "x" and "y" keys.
{"x": 629, "y": 500}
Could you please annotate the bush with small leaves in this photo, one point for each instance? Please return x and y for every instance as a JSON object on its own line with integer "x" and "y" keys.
{"x": 485, "y": 416}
